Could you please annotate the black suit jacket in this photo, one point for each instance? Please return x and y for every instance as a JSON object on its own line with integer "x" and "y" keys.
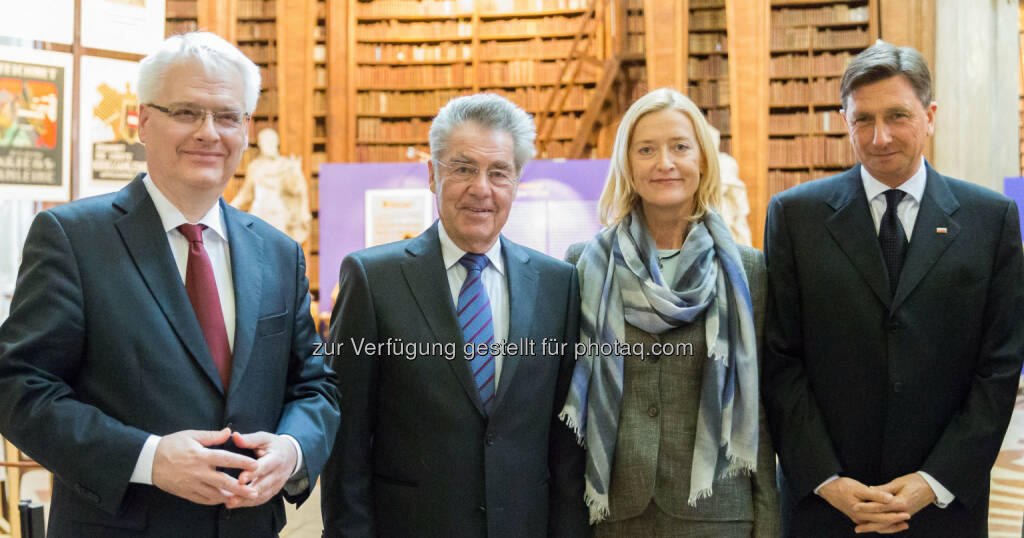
{"x": 866, "y": 384}
{"x": 415, "y": 455}
{"x": 102, "y": 348}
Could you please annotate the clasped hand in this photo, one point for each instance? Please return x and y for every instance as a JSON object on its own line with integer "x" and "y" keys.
{"x": 885, "y": 509}
{"x": 185, "y": 466}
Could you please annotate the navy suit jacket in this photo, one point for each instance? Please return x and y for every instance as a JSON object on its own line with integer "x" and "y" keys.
{"x": 415, "y": 455}
{"x": 102, "y": 348}
{"x": 864, "y": 383}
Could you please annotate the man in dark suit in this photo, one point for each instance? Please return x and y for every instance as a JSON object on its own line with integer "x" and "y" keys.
{"x": 116, "y": 369}
{"x": 436, "y": 442}
{"x": 896, "y": 331}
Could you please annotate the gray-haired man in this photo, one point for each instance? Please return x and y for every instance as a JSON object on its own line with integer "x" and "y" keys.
{"x": 435, "y": 441}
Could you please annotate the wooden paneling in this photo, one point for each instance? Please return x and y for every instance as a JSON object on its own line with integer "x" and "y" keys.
{"x": 665, "y": 41}
{"x": 218, "y": 16}
{"x": 910, "y": 23}
{"x": 295, "y": 19}
{"x": 748, "y": 26}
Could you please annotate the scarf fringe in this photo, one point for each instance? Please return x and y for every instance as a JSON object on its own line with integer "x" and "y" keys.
{"x": 570, "y": 420}
{"x": 597, "y": 503}
{"x": 698, "y": 495}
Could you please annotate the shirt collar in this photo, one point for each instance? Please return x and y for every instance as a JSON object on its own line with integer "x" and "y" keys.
{"x": 914, "y": 187}
{"x": 171, "y": 216}
{"x": 452, "y": 253}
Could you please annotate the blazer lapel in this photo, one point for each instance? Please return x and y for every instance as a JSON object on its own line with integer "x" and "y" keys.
{"x": 247, "y": 273}
{"x": 854, "y": 231}
{"x": 146, "y": 242}
{"x": 522, "y": 299}
{"x": 926, "y": 244}
{"x": 425, "y": 273}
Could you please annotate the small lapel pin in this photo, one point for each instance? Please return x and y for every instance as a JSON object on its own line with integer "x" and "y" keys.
{"x": 941, "y": 230}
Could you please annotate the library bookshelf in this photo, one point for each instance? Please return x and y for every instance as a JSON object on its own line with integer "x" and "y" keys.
{"x": 811, "y": 42}
{"x": 181, "y": 16}
{"x": 708, "y": 65}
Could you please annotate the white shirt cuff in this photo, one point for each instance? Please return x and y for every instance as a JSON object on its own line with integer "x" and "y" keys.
{"x": 942, "y": 495}
{"x": 143, "y": 473}
{"x": 298, "y": 452}
{"x": 827, "y": 480}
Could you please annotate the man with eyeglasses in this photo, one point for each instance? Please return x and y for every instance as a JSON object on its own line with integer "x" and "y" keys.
{"x": 455, "y": 432}
{"x": 158, "y": 354}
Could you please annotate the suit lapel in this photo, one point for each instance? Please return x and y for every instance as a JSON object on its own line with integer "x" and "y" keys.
{"x": 146, "y": 242}
{"x": 522, "y": 299}
{"x": 247, "y": 273}
{"x": 426, "y": 275}
{"x": 926, "y": 244}
{"x": 852, "y": 228}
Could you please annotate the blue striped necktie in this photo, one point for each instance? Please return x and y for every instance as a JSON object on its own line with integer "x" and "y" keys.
{"x": 474, "y": 315}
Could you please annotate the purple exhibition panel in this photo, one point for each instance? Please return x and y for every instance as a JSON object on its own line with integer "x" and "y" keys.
{"x": 1014, "y": 188}
{"x": 556, "y": 206}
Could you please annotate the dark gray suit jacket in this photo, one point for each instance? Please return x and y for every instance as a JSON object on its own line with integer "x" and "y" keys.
{"x": 653, "y": 455}
{"x": 415, "y": 455}
{"x": 102, "y": 348}
{"x": 863, "y": 383}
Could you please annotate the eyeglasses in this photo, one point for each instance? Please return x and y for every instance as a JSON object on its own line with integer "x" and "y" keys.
{"x": 194, "y": 116}
{"x": 462, "y": 172}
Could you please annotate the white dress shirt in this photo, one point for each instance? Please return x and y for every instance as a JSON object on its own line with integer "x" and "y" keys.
{"x": 215, "y": 240}
{"x": 494, "y": 281}
{"x": 907, "y": 208}
{"x": 906, "y": 211}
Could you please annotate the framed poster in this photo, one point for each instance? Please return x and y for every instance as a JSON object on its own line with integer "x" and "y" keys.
{"x": 396, "y": 214}
{"x": 40, "y": 20}
{"x": 35, "y": 120}
{"x": 123, "y": 25}
{"x": 109, "y": 149}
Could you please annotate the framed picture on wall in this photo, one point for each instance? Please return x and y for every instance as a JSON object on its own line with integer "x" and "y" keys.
{"x": 110, "y": 152}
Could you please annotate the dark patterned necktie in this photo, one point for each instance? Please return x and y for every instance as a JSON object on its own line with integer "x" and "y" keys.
{"x": 474, "y": 315}
{"x": 892, "y": 238}
{"x": 201, "y": 287}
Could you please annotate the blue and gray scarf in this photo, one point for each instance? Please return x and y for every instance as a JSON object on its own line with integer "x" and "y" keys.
{"x": 621, "y": 282}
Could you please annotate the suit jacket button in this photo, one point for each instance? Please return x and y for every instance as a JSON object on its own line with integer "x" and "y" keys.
{"x": 652, "y": 411}
{"x": 897, "y": 386}
{"x": 483, "y": 508}
{"x": 489, "y": 439}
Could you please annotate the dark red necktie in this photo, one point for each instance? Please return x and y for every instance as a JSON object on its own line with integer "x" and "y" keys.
{"x": 201, "y": 287}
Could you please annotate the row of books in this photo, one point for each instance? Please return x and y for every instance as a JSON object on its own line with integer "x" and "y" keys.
{"x": 183, "y": 9}
{"x": 405, "y": 102}
{"x": 635, "y": 43}
{"x": 818, "y": 151}
{"x": 707, "y": 19}
{"x": 430, "y": 52}
{"x": 415, "y": 75}
{"x": 462, "y": 29}
{"x": 822, "y": 121}
{"x": 806, "y": 37}
{"x": 719, "y": 119}
{"x": 267, "y": 104}
{"x": 798, "y": 92}
{"x": 319, "y": 103}
{"x": 707, "y": 3}
{"x": 806, "y": 64}
{"x": 380, "y": 130}
{"x": 635, "y": 23}
{"x": 705, "y": 43}
{"x": 534, "y": 100}
{"x": 710, "y": 66}
{"x": 320, "y": 76}
{"x": 181, "y": 27}
{"x": 393, "y": 153}
{"x": 557, "y": 24}
{"x": 259, "y": 52}
{"x": 549, "y": 48}
{"x": 710, "y": 92}
{"x": 839, "y": 13}
{"x": 399, "y": 8}
{"x": 257, "y": 8}
{"x": 780, "y": 180}
{"x": 527, "y": 71}
{"x": 320, "y": 128}
{"x": 257, "y": 30}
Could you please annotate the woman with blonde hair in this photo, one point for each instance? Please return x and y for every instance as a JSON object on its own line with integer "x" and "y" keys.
{"x": 666, "y": 397}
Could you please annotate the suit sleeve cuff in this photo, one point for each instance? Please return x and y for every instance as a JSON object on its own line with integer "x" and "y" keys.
{"x": 823, "y": 484}
{"x": 143, "y": 473}
{"x": 942, "y": 495}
